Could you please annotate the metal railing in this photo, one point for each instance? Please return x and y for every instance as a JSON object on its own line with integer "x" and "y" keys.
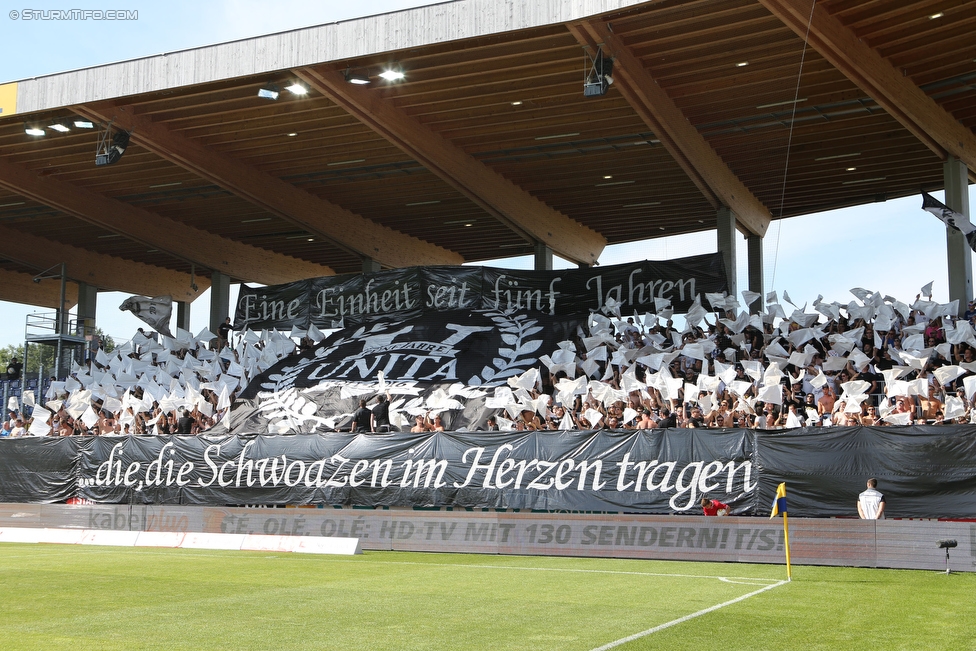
{"x": 46, "y": 325}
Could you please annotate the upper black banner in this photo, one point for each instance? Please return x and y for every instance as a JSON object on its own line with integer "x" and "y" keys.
{"x": 335, "y": 301}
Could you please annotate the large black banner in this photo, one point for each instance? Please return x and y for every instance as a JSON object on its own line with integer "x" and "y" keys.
{"x": 654, "y": 471}
{"x": 433, "y": 364}
{"x": 924, "y": 472}
{"x": 332, "y": 301}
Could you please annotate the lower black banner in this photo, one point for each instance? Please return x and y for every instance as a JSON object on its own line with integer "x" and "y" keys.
{"x": 923, "y": 471}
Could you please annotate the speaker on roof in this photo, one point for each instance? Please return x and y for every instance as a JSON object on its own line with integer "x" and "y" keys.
{"x": 110, "y": 151}
{"x": 598, "y": 80}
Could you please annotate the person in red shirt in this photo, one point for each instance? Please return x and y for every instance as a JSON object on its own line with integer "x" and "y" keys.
{"x": 714, "y": 507}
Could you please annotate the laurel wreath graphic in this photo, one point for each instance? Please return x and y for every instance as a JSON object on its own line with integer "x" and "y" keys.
{"x": 283, "y": 404}
{"x": 290, "y": 409}
{"x": 515, "y": 330}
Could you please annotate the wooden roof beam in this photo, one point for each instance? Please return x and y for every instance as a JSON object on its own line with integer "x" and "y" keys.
{"x": 17, "y": 287}
{"x": 516, "y": 208}
{"x": 687, "y": 146}
{"x": 208, "y": 251}
{"x": 326, "y": 220}
{"x": 882, "y": 82}
{"x": 99, "y": 270}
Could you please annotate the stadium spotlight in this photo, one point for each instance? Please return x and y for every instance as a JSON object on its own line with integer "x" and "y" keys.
{"x": 392, "y": 74}
{"x": 358, "y": 76}
{"x": 947, "y": 545}
{"x": 268, "y": 91}
{"x": 598, "y": 79}
{"x": 111, "y": 147}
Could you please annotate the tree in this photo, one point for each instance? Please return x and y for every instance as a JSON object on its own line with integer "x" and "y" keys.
{"x": 108, "y": 344}
{"x": 41, "y": 356}
{"x": 37, "y": 356}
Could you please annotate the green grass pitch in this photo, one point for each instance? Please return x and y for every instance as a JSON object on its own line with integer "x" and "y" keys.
{"x": 101, "y": 598}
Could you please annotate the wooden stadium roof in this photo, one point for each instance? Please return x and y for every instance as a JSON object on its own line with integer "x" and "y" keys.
{"x": 487, "y": 145}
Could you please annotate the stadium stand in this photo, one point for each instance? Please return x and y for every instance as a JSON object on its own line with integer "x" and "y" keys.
{"x": 875, "y": 361}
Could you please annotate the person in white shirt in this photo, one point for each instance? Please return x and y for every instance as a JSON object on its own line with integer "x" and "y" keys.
{"x": 18, "y": 428}
{"x": 632, "y": 335}
{"x": 871, "y": 503}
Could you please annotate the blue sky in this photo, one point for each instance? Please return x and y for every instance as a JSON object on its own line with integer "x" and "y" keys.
{"x": 893, "y": 246}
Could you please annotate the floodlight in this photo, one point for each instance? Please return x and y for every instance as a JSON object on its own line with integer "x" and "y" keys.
{"x": 34, "y": 131}
{"x": 297, "y": 89}
{"x": 358, "y": 76}
{"x": 392, "y": 75}
{"x": 60, "y": 128}
{"x": 84, "y": 124}
{"x": 947, "y": 545}
{"x": 269, "y": 91}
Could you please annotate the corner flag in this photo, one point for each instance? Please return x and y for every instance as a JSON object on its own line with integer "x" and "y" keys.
{"x": 779, "y": 508}
{"x": 779, "y": 502}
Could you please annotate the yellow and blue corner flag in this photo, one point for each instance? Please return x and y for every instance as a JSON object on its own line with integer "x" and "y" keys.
{"x": 779, "y": 502}
{"x": 779, "y": 508}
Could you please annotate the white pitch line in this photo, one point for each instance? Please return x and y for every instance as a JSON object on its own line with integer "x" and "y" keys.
{"x": 569, "y": 569}
{"x": 745, "y": 580}
{"x": 681, "y": 620}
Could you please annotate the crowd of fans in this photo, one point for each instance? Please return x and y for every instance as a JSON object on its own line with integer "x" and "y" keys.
{"x": 875, "y": 362}
{"x": 151, "y": 385}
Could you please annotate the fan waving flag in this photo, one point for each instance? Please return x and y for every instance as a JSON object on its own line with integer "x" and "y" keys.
{"x": 779, "y": 502}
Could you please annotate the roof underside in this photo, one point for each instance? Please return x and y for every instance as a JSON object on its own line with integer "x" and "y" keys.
{"x": 507, "y": 107}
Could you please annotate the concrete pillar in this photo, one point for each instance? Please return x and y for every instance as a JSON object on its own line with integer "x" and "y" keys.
{"x": 958, "y": 251}
{"x": 87, "y": 303}
{"x": 754, "y": 243}
{"x": 183, "y": 315}
{"x": 726, "y": 244}
{"x": 86, "y": 310}
{"x": 219, "y": 299}
{"x": 370, "y": 266}
{"x": 543, "y": 257}
{"x": 62, "y": 313}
